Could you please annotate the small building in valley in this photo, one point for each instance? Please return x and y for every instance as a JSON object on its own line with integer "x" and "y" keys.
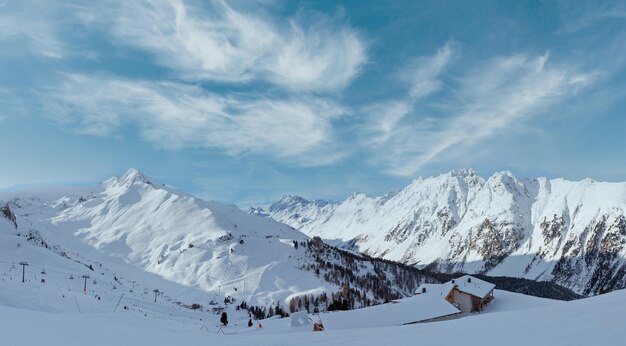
{"x": 467, "y": 293}
{"x": 432, "y": 302}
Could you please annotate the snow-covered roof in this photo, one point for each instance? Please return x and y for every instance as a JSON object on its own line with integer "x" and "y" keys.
{"x": 473, "y": 286}
{"x": 398, "y": 312}
{"x": 441, "y": 290}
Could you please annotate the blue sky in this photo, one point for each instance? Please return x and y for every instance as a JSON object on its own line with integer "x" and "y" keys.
{"x": 243, "y": 102}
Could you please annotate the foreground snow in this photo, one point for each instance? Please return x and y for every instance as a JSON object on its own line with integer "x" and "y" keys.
{"x": 592, "y": 321}
{"x": 36, "y": 313}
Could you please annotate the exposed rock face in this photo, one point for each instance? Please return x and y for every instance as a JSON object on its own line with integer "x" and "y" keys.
{"x": 572, "y": 233}
{"x": 6, "y": 212}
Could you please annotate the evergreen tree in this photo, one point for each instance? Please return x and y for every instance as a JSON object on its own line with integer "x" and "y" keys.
{"x": 292, "y": 305}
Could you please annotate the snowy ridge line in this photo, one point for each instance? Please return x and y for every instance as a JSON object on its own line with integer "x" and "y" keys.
{"x": 215, "y": 250}
{"x": 568, "y": 232}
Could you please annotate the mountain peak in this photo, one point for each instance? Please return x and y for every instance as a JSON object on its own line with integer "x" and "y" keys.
{"x": 130, "y": 177}
{"x": 288, "y": 201}
{"x": 464, "y": 172}
{"x": 293, "y": 199}
{"x": 132, "y": 173}
{"x": 258, "y": 211}
{"x": 503, "y": 175}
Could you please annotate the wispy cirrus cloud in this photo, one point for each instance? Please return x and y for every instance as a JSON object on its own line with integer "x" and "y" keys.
{"x": 577, "y": 17}
{"x": 422, "y": 76}
{"x": 496, "y": 96}
{"x": 174, "y": 115}
{"x": 31, "y": 30}
{"x": 244, "y": 80}
{"x": 292, "y": 68}
{"x": 308, "y": 52}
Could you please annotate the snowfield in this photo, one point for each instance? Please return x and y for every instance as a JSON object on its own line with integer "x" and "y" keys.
{"x": 591, "y": 321}
{"x": 124, "y": 262}
{"x": 59, "y": 312}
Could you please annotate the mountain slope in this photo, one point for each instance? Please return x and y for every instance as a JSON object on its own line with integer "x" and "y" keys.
{"x": 207, "y": 245}
{"x": 592, "y": 321}
{"x": 571, "y": 233}
{"x": 139, "y": 226}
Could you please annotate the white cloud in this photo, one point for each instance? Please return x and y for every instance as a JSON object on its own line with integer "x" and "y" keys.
{"x": 382, "y": 119}
{"x": 323, "y": 56}
{"x": 227, "y": 45}
{"x": 492, "y": 98}
{"x": 579, "y": 16}
{"x": 423, "y": 77}
{"x": 30, "y": 25}
{"x": 173, "y": 115}
{"x": 303, "y": 56}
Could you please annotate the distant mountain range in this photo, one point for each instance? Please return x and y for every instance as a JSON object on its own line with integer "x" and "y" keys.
{"x": 568, "y": 232}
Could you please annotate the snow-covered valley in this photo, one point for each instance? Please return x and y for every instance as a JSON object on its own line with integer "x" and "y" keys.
{"x": 131, "y": 261}
{"x": 133, "y": 236}
{"x": 120, "y": 312}
{"x": 511, "y": 319}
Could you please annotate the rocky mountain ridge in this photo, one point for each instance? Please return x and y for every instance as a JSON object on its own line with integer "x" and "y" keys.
{"x": 572, "y": 233}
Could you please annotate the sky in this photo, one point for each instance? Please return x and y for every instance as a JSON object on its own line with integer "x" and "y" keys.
{"x": 243, "y": 102}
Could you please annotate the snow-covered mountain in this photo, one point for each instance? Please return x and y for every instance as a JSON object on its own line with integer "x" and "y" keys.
{"x": 197, "y": 243}
{"x": 569, "y": 232}
{"x": 134, "y": 222}
{"x": 296, "y": 211}
{"x": 134, "y": 261}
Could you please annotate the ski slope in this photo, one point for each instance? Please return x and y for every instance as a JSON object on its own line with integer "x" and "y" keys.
{"x": 591, "y": 321}
{"x": 142, "y": 226}
{"x": 132, "y": 236}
